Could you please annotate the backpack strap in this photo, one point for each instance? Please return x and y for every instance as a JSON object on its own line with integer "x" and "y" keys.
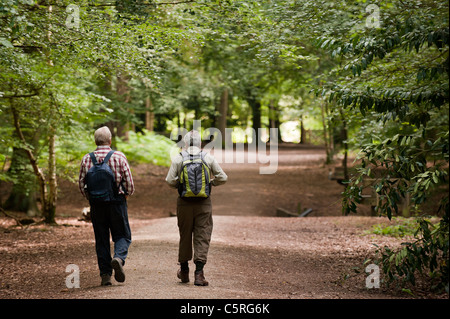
{"x": 94, "y": 160}
{"x": 108, "y": 156}
{"x": 202, "y": 156}
{"x": 185, "y": 155}
{"x": 105, "y": 160}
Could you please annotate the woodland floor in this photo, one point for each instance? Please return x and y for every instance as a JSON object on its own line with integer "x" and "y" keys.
{"x": 253, "y": 253}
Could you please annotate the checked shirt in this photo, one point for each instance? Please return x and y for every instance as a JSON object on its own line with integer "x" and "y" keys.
{"x": 119, "y": 165}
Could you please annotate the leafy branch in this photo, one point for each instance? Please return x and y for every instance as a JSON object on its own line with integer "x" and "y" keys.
{"x": 427, "y": 256}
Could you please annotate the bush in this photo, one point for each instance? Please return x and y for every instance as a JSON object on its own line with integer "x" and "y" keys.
{"x": 146, "y": 147}
{"x": 427, "y": 256}
{"x": 402, "y": 227}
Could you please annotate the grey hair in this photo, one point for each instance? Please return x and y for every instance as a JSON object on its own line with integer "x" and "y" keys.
{"x": 192, "y": 138}
{"x": 102, "y": 136}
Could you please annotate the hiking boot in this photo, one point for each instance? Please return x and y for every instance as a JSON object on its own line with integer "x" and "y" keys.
{"x": 106, "y": 280}
{"x": 117, "y": 265}
{"x": 200, "y": 279}
{"x": 183, "y": 275}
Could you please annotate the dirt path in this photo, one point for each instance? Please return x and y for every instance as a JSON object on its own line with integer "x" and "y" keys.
{"x": 261, "y": 258}
{"x": 253, "y": 254}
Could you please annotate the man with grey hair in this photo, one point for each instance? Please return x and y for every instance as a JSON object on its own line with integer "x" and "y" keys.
{"x": 108, "y": 212}
{"x": 194, "y": 214}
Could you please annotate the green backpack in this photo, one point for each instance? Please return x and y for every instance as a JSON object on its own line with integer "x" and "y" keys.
{"x": 195, "y": 182}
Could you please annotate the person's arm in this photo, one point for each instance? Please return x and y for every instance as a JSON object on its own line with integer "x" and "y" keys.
{"x": 172, "y": 175}
{"x": 82, "y": 176}
{"x": 219, "y": 175}
{"x": 127, "y": 178}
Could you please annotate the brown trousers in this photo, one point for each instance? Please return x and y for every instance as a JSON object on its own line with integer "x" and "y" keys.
{"x": 195, "y": 225}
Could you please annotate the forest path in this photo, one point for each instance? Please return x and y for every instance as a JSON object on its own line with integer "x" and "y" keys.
{"x": 253, "y": 254}
{"x": 251, "y": 257}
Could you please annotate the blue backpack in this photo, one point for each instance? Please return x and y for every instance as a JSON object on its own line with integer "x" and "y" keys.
{"x": 100, "y": 180}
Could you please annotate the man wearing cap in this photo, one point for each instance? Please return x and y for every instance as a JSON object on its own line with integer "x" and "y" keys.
{"x": 194, "y": 218}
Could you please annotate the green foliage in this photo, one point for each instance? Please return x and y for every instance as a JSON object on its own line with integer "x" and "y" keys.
{"x": 396, "y": 76}
{"x": 408, "y": 105}
{"x": 147, "y": 147}
{"x": 403, "y": 160}
{"x": 53, "y": 78}
{"x": 426, "y": 257}
{"x": 401, "y": 227}
{"x": 71, "y": 146}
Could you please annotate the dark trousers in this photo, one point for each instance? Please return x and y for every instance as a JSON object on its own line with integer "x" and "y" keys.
{"x": 106, "y": 218}
{"x": 195, "y": 225}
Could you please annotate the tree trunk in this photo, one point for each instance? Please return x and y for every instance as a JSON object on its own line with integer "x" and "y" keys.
{"x": 49, "y": 210}
{"x": 33, "y": 161}
{"x": 179, "y": 119}
{"x": 274, "y": 118}
{"x": 22, "y": 197}
{"x": 49, "y": 203}
{"x": 223, "y": 112}
{"x": 123, "y": 94}
{"x": 325, "y": 133}
{"x": 255, "y": 106}
{"x": 331, "y": 144}
{"x": 106, "y": 89}
{"x": 272, "y": 114}
{"x": 149, "y": 115}
{"x": 344, "y": 141}
{"x": 302, "y": 131}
